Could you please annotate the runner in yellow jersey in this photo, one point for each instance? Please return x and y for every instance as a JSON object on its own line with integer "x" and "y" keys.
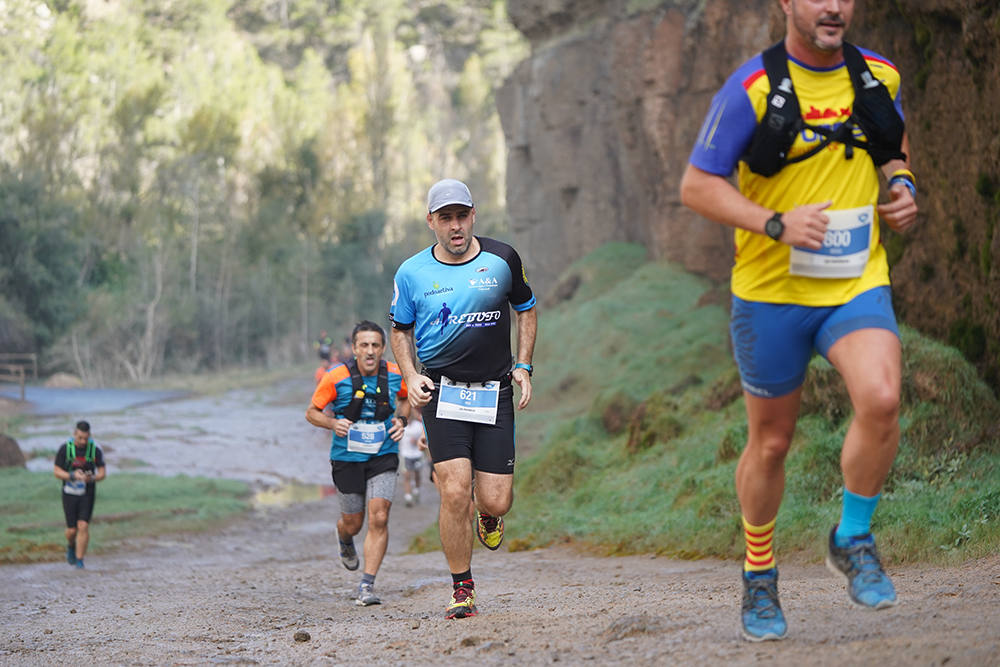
{"x": 808, "y": 124}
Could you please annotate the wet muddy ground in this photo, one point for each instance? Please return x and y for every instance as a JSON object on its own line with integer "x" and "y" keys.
{"x": 243, "y": 595}
{"x": 256, "y": 435}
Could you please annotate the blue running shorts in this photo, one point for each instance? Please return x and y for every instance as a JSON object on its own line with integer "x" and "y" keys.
{"x": 773, "y": 342}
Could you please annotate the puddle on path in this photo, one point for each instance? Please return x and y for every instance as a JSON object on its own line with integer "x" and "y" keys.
{"x": 290, "y": 494}
{"x": 236, "y": 435}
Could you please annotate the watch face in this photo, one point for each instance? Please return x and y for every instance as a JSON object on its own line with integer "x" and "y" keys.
{"x": 774, "y": 228}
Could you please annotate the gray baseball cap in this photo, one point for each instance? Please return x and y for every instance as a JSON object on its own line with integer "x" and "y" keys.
{"x": 446, "y": 192}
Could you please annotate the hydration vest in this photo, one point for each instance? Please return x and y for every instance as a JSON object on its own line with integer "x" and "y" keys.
{"x": 873, "y": 112}
{"x": 88, "y": 454}
{"x": 359, "y": 392}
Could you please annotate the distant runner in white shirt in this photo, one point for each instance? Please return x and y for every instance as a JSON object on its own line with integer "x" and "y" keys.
{"x": 412, "y": 447}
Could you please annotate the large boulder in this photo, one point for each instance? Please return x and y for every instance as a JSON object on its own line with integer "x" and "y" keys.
{"x": 10, "y": 453}
{"x": 599, "y": 122}
{"x": 64, "y": 381}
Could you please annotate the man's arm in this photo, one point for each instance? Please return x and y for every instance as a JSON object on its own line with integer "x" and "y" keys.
{"x": 717, "y": 199}
{"x": 900, "y": 212}
{"x": 418, "y": 386}
{"x": 317, "y": 417}
{"x": 57, "y": 468}
{"x": 527, "y": 328}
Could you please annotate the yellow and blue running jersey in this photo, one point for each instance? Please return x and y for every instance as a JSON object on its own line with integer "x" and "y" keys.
{"x": 761, "y": 268}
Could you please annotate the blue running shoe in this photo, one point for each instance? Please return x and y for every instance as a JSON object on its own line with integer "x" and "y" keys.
{"x": 79, "y": 563}
{"x": 762, "y": 616}
{"x": 71, "y": 554}
{"x": 867, "y": 583}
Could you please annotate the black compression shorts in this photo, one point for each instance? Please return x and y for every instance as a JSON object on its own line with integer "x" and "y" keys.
{"x": 489, "y": 447}
{"x": 352, "y": 476}
{"x": 78, "y": 508}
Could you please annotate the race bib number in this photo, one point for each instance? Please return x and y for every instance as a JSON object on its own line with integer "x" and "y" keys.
{"x": 365, "y": 438}
{"x": 468, "y": 401}
{"x": 75, "y": 488}
{"x": 845, "y": 248}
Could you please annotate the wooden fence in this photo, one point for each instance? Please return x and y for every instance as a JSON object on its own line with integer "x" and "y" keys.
{"x": 15, "y": 366}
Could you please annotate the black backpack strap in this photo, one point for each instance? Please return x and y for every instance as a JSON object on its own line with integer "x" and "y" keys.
{"x": 383, "y": 409}
{"x": 873, "y": 111}
{"x": 353, "y": 409}
{"x": 776, "y": 66}
{"x": 782, "y": 121}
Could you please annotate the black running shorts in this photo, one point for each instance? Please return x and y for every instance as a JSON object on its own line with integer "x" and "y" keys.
{"x": 352, "y": 476}
{"x": 490, "y": 447}
{"x": 78, "y": 508}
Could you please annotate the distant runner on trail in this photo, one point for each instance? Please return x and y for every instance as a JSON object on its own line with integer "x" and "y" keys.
{"x": 366, "y": 426}
{"x": 412, "y": 448}
{"x": 464, "y": 386}
{"x": 809, "y": 123}
{"x": 324, "y": 366}
{"x": 79, "y": 465}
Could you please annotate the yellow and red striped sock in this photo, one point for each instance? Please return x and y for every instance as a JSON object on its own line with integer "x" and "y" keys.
{"x": 759, "y": 556}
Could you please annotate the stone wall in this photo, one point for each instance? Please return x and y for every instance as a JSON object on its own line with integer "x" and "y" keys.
{"x": 600, "y": 120}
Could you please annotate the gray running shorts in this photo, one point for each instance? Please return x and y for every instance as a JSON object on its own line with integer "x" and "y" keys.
{"x": 414, "y": 464}
{"x": 382, "y": 485}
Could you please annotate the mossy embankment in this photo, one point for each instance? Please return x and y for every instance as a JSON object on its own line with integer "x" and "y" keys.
{"x": 632, "y": 439}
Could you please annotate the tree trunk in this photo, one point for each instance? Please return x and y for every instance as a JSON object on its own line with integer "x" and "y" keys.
{"x": 222, "y": 288}
{"x": 305, "y": 299}
{"x": 195, "y": 233}
{"x": 147, "y": 357}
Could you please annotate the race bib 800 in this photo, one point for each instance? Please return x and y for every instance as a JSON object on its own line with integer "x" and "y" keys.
{"x": 845, "y": 248}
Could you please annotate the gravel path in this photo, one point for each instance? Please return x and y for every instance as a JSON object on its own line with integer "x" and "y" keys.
{"x": 242, "y": 595}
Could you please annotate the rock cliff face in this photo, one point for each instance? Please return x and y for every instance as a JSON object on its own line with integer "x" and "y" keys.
{"x": 601, "y": 118}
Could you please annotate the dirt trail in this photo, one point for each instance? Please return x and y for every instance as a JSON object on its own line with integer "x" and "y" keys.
{"x": 240, "y": 596}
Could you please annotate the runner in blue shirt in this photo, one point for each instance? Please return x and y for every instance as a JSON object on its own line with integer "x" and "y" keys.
{"x": 452, "y": 303}
{"x": 362, "y": 397}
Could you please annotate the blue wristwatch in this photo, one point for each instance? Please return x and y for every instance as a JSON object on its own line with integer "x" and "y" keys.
{"x": 526, "y": 367}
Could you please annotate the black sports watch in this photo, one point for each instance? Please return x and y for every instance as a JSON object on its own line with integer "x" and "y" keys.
{"x": 774, "y": 227}
{"x": 403, "y": 419}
